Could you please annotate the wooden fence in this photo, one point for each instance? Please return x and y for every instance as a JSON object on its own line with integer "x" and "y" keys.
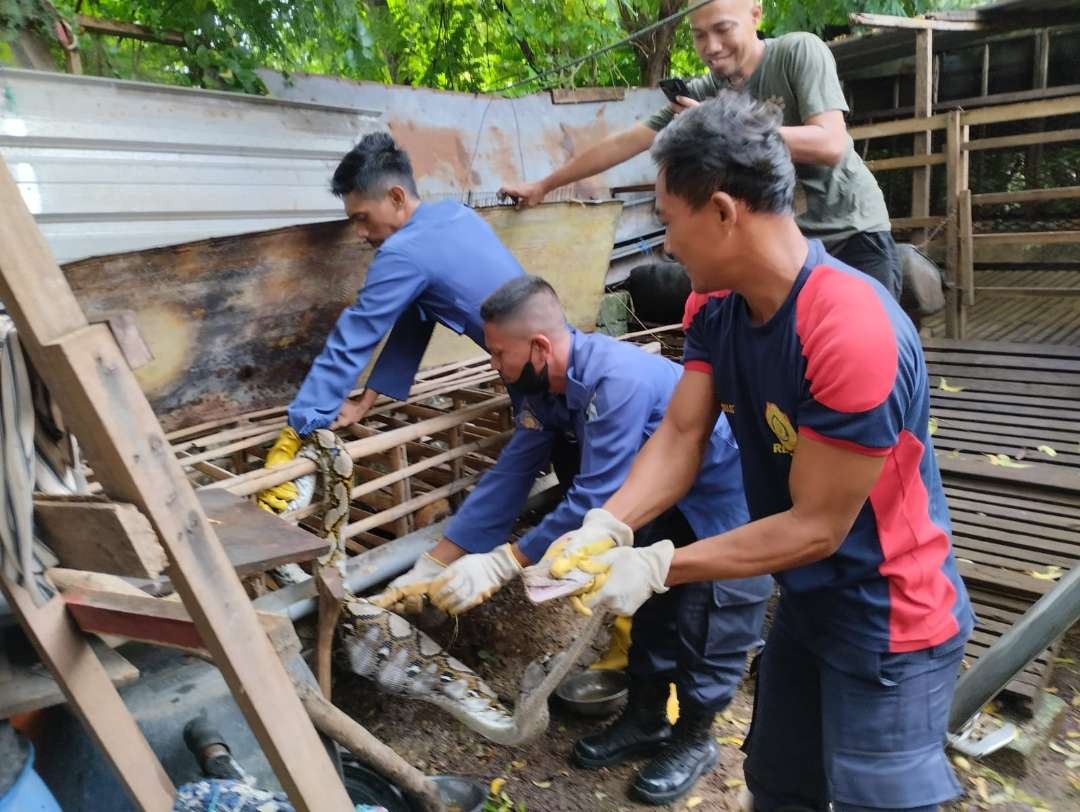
{"x": 960, "y": 240}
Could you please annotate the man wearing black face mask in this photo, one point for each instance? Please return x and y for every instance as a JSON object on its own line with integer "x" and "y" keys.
{"x": 609, "y": 396}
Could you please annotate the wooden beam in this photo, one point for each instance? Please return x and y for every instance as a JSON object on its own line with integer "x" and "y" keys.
{"x": 1044, "y": 108}
{"x": 903, "y": 126}
{"x": 131, "y": 458}
{"x": 1029, "y": 237}
{"x": 966, "y": 249}
{"x": 93, "y": 697}
{"x": 116, "y": 28}
{"x": 906, "y": 162}
{"x": 100, "y": 536}
{"x": 916, "y": 23}
{"x": 953, "y": 184}
{"x": 1026, "y": 196}
{"x": 924, "y": 102}
{"x": 1005, "y": 141}
{"x": 905, "y": 223}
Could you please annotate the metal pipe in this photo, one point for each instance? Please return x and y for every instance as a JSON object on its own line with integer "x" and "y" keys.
{"x": 1046, "y": 620}
{"x": 384, "y": 562}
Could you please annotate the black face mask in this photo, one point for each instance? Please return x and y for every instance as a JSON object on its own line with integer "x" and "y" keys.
{"x": 530, "y": 382}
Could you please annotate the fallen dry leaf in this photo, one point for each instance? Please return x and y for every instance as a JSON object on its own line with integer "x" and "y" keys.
{"x": 734, "y": 741}
{"x": 961, "y": 762}
{"x": 692, "y": 802}
{"x": 933, "y": 426}
{"x": 945, "y": 387}
{"x": 542, "y": 784}
{"x": 731, "y": 783}
{"x": 497, "y": 785}
{"x": 1051, "y": 573}
{"x": 1047, "y": 450}
{"x": 1005, "y": 461}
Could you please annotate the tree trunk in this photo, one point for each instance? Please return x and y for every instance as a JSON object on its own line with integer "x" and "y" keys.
{"x": 653, "y": 51}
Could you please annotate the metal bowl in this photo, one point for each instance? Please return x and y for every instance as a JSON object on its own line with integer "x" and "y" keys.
{"x": 593, "y": 693}
{"x": 461, "y": 794}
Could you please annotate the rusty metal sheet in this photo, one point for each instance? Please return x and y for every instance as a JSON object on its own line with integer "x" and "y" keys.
{"x": 234, "y": 322}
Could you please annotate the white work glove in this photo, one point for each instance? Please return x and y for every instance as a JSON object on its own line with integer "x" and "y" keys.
{"x": 628, "y": 577}
{"x": 406, "y": 593}
{"x": 598, "y": 526}
{"x": 471, "y": 580}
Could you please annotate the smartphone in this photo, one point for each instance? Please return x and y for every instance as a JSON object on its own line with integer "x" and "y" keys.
{"x": 674, "y": 87}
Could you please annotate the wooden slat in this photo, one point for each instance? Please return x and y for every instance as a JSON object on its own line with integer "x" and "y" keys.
{"x": 1006, "y": 141}
{"x": 1029, "y": 238}
{"x": 906, "y": 162}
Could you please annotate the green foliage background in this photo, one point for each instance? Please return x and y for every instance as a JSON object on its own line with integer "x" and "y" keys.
{"x": 467, "y": 45}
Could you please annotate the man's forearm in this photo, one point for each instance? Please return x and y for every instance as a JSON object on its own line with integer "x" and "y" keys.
{"x": 811, "y": 144}
{"x": 768, "y": 545}
{"x": 662, "y": 474}
{"x": 601, "y": 156}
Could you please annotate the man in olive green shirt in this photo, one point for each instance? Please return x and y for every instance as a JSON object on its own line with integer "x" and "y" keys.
{"x": 844, "y": 205}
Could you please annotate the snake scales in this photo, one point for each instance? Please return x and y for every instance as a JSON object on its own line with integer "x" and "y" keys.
{"x": 401, "y": 659}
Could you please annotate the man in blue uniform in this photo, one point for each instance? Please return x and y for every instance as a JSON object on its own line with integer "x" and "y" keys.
{"x": 434, "y": 262}
{"x": 609, "y": 396}
{"x": 823, "y": 380}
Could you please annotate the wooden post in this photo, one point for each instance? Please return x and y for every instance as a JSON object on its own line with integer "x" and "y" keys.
{"x": 123, "y": 441}
{"x": 93, "y": 698}
{"x": 331, "y": 594}
{"x": 966, "y": 270}
{"x": 952, "y": 162}
{"x": 924, "y": 92}
{"x": 402, "y": 489}
{"x": 1040, "y": 75}
{"x": 457, "y": 438}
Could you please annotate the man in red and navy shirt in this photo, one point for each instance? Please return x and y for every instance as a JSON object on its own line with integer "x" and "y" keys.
{"x": 823, "y": 381}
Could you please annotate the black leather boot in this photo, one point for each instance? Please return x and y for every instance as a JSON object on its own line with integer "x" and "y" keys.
{"x": 641, "y": 730}
{"x": 691, "y": 753}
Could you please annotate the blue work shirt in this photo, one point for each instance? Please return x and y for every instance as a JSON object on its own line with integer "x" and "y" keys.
{"x": 438, "y": 267}
{"x": 615, "y": 398}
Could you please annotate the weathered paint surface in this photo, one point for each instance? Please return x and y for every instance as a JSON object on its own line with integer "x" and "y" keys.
{"x": 234, "y": 322}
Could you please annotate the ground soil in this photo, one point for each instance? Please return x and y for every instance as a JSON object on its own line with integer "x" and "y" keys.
{"x": 501, "y": 637}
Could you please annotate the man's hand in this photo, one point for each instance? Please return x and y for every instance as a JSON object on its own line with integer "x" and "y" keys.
{"x": 525, "y": 195}
{"x": 682, "y": 104}
{"x": 630, "y": 576}
{"x": 353, "y": 410}
{"x": 471, "y": 580}
{"x": 277, "y": 498}
{"x": 406, "y": 593}
{"x": 599, "y": 525}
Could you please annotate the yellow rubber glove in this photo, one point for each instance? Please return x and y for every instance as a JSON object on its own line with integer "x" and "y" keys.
{"x": 277, "y": 498}
{"x": 617, "y": 654}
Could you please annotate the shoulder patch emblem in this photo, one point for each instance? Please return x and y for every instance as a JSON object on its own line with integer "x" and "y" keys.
{"x": 527, "y": 420}
{"x": 781, "y": 426}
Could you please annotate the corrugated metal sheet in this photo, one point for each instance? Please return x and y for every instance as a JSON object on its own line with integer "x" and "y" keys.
{"x": 461, "y": 142}
{"x": 108, "y": 166}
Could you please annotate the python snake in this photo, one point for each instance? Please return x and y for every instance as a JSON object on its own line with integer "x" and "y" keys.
{"x": 401, "y": 659}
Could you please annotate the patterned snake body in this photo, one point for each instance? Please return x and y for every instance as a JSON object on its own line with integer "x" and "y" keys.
{"x": 401, "y": 659}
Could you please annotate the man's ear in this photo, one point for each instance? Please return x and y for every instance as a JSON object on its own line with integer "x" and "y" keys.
{"x": 542, "y": 343}
{"x": 398, "y": 196}
{"x": 723, "y": 206}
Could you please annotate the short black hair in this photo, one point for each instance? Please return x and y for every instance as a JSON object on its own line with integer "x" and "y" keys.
{"x": 508, "y": 300}
{"x": 728, "y": 144}
{"x": 371, "y": 167}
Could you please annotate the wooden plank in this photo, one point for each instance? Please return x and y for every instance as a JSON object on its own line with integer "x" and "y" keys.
{"x": 997, "y": 578}
{"x": 906, "y": 162}
{"x": 998, "y": 347}
{"x": 966, "y": 249}
{"x": 100, "y": 536}
{"x": 976, "y": 363}
{"x": 954, "y": 327}
{"x": 1046, "y": 475}
{"x": 255, "y": 540}
{"x": 920, "y": 24}
{"x": 1047, "y": 293}
{"x": 117, "y": 28}
{"x": 924, "y": 100}
{"x": 1023, "y": 140}
{"x": 124, "y": 443}
{"x": 25, "y": 687}
{"x": 1043, "y": 108}
{"x": 1026, "y": 195}
{"x": 581, "y": 95}
{"x": 93, "y": 698}
{"x": 234, "y": 322}
{"x": 902, "y": 126}
{"x": 1029, "y": 238}
{"x": 905, "y": 223}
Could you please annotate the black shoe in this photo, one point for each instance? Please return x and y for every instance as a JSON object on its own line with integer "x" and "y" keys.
{"x": 641, "y": 730}
{"x": 691, "y": 753}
